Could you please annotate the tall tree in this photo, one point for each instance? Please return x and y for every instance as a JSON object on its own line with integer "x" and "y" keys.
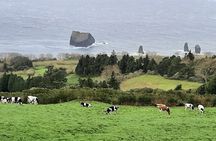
{"x": 152, "y": 65}
{"x": 4, "y": 82}
{"x": 113, "y": 82}
{"x": 190, "y": 56}
{"x": 211, "y": 86}
{"x": 54, "y": 78}
{"x": 146, "y": 63}
{"x": 113, "y": 60}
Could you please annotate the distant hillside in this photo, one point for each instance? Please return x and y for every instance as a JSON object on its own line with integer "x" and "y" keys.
{"x": 156, "y": 81}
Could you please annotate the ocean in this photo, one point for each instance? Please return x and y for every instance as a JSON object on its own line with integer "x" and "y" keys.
{"x": 162, "y": 26}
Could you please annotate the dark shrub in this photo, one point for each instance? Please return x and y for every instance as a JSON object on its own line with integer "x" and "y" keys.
{"x": 201, "y": 90}
{"x": 214, "y": 102}
{"x": 144, "y": 100}
{"x": 20, "y": 63}
{"x": 178, "y": 87}
{"x": 172, "y": 101}
{"x": 127, "y": 99}
{"x": 211, "y": 86}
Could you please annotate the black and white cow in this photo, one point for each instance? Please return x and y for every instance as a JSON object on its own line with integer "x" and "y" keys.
{"x": 112, "y": 109}
{"x": 17, "y": 100}
{"x": 85, "y": 104}
{"x": 201, "y": 108}
{"x": 3, "y": 99}
{"x": 32, "y": 100}
{"x": 189, "y": 106}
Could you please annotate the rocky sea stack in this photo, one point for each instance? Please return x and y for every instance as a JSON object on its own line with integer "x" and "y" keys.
{"x": 81, "y": 39}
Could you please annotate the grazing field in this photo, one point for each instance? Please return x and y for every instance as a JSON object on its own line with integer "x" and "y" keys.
{"x": 69, "y": 65}
{"x": 40, "y": 67}
{"x": 36, "y": 71}
{"x": 156, "y": 81}
{"x": 69, "y": 121}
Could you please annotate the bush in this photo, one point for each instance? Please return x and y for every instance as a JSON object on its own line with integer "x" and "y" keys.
{"x": 178, "y": 87}
{"x": 172, "y": 101}
{"x": 20, "y": 63}
{"x": 211, "y": 86}
{"x": 145, "y": 100}
{"x": 214, "y": 102}
{"x": 127, "y": 99}
{"x": 172, "y": 98}
{"x": 201, "y": 90}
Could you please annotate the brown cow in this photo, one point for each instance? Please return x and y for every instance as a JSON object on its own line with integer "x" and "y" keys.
{"x": 163, "y": 107}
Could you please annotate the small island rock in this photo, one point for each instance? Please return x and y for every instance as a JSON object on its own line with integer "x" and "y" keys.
{"x": 141, "y": 50}
{"x": 81, "y": 39}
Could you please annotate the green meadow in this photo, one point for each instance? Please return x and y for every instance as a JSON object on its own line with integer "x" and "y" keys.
{"x": 156, "y": 81}
{"x": 69, "y": 121}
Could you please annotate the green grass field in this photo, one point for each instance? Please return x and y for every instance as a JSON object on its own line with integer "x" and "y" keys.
{"x": 69, "y": 65}
{"x": 69, "y": 121}
{"x": 156, "y": 81}
{"x": 40, "y": 70}
{"x": 37, "y": 71}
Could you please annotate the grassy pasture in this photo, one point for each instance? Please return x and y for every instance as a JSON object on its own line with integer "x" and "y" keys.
{"x": 156, "y": 81}
{"x": 69, "y": 65}
{"x": 69, "y": 121}
{"x": 37, "y": 71}
{"x": 39, "y": 68}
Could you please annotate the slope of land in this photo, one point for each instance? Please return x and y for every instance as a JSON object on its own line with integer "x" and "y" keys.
{"x": 70, "y": 121}
{"x": 156, "y": 81}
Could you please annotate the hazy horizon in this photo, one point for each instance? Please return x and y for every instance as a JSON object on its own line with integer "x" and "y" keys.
{"x": 45, "y": 26}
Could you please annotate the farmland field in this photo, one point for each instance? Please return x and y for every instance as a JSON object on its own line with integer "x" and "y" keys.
{"x": 156, "y": 81}
{"x": 69, "y": 121}
{"x": 69, "y": 65}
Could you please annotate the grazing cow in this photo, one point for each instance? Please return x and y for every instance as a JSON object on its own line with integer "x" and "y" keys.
{"x": 85, "y": 104}
{"x": 32, "y": 100}
{"x": 3, "y": 99}
{"x": 163, "y": 107}
{"x": 111, "y": 109}
{"x": 189, "y": 106}
{"x": 17, "y": 100}
{"x": 201, "y": 108}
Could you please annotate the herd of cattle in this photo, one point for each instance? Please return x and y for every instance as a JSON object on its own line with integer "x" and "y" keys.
{"x": 18, "y": 100}
{"x": 161, "y": 107}
{"x": 34, "y": 100}
{"x": 109, "y": 110}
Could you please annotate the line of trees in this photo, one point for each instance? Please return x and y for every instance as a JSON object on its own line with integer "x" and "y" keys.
{"x": 91, "y": 66}
{"x": 169, "y": 66}
{"x": 17, "y": 63}
{"x": 53, "y": 78}
{"x": 111, "y": 83}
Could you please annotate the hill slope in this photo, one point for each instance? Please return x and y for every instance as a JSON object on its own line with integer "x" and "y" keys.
{"x": 156, "y": 81}
{"x": 69, "y": 121}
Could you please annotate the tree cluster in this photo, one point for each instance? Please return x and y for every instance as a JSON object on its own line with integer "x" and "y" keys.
{"x": 12, "y": 83}
{"x": 91, "y": 66}
{"x": 129, "y": 64}
{"x": 53, "y": 78}
{"x": 111, "y": 83}
{"x": 20, "y": 63}
{"x": 171, "y": 65}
